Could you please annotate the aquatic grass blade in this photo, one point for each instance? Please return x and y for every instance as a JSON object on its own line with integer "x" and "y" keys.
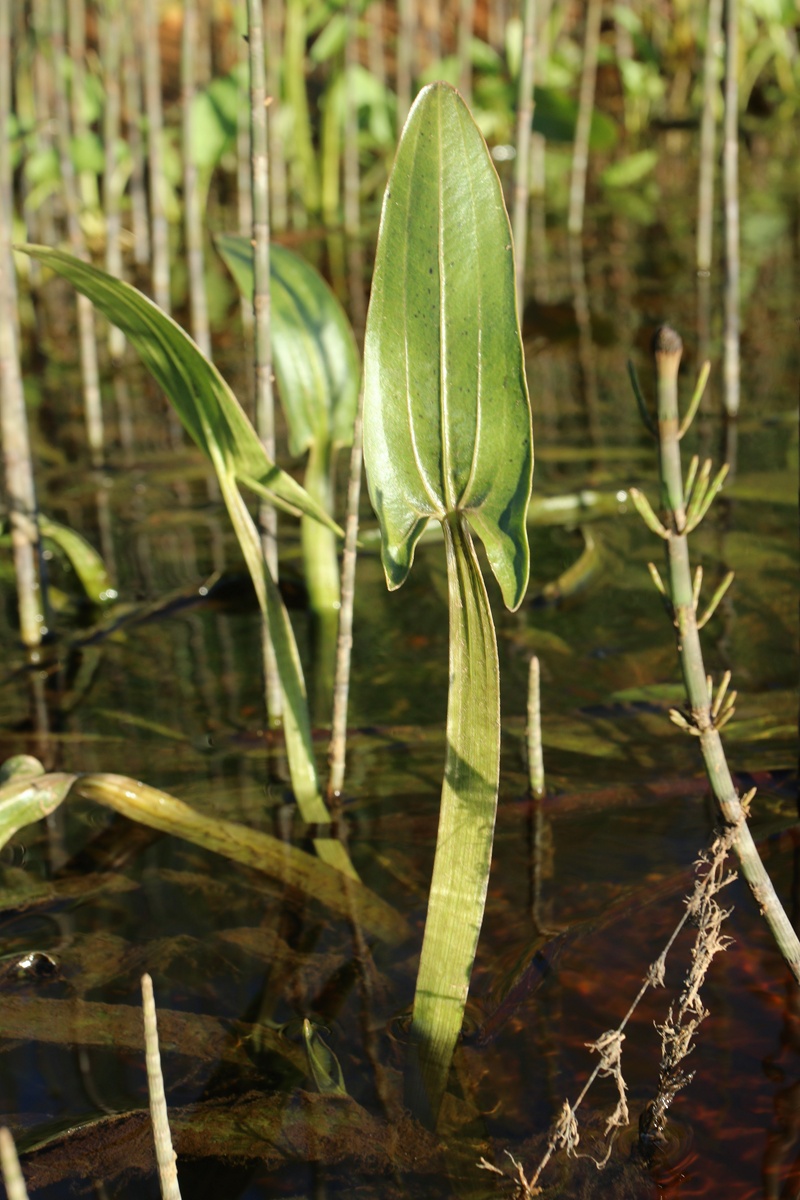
{"x": 318, "y": 372}
{"x": 202, "y": 399}
{"x": 212, "y": 415}
{"x": 447, "y": 435}
{"x": 26, "y": 798}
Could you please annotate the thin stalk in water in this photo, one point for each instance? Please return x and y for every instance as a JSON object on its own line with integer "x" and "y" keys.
{"x": 731, "y": 370}
{"x": 111, "y": 17}
{"x": 705, "y": 714}
{"x": 344, "y": 645}
{"x": 86, "y": 325}
{"x": 278, "y": 182}
{"x": 9, "y": 1164}
{"x": 191, "y": 195}
{"x": 580, "y": 154}
{"x": 264, "y": 399}
{"x": 132, "y": 83}
{"x": 159, "y": 230}
{"x": 534, "y": 730}
{"x": 18, "y": 464}
{"x": 165, "y": 1155}
{"x": 405, "y": 53}
{"x": 708, "y": 132}
{"x": 466, "y": 25}
{"x": 522, "y": 162}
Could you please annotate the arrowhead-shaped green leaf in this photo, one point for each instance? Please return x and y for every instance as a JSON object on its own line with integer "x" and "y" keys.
{"x": 313, "y": 348}
{"x": 447, "y": 424}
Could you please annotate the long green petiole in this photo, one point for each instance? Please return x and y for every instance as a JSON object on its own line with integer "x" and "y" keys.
{"x": 466, "y": 825}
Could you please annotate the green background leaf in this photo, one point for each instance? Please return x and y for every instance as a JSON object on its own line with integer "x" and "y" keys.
{"x": 313, "y": 348}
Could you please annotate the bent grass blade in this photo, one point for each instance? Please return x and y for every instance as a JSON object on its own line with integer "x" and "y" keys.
{"x": 213, "y": 416}
{"x": 26, "y": 798}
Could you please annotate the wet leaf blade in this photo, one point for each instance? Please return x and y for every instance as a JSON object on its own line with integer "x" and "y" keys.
{"x": 84, "y": 559}
{"x": 447, "y": 423}
{"x": 202, "y": 399}
{"x": 25, "y": 800}
{"x": 346, "y": 897}
{"x": 314, "y": 351}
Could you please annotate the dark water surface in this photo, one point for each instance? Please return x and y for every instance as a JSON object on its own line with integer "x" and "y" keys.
{"x": 584, "y": 891}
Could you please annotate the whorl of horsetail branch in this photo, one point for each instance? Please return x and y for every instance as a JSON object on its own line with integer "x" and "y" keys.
{"x": 705, "y": 714}
{"x": 12, "y": 1172}
{"x": 165, "y": 1155}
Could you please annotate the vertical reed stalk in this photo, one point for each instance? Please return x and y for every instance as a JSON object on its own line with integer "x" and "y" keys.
{"x": 111, "y": 29}
{"x": 466, "y": 26}
{"x": 20, "y": 490}
{"x": 86, "y": 326}
{"x": 191, "y": 195}
{"x": 264, "y": 399}
{"x": 159, "y": 231}
{"x": 704, "y": 715}
{"x": 165, "y": 1155}
{"x": 405, "y": 53}
{"x": 305, "y": 181}
{"x": 731, "y": 371}
{"x": 522, "y": 171}
{"x": 9, "y": 1163}
{"x": 376, "y": 55}
{"x": 580, "y": 155}
{"x": 132, "y": 83}
{"x": 42, "y": 97}
{"x": 352, "y": 180}
{"x": 76, "y": 39}
{"x": 278, "y": 182}
{"x": 352, "y": 215}
{"x": 708, "y": 137}
{"x": 534, "y": 731}
{"x": 344, "y": 646}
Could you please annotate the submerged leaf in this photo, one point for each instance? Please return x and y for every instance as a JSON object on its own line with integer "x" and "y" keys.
{"x": 447, "y": 425}
{"x": 86, "y": 562}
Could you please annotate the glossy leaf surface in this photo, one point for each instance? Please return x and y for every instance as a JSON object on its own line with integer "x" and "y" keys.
{"x": 447, "y": 424}
{"x": 207, "y": 407}
{"x": 313, "y": 349}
